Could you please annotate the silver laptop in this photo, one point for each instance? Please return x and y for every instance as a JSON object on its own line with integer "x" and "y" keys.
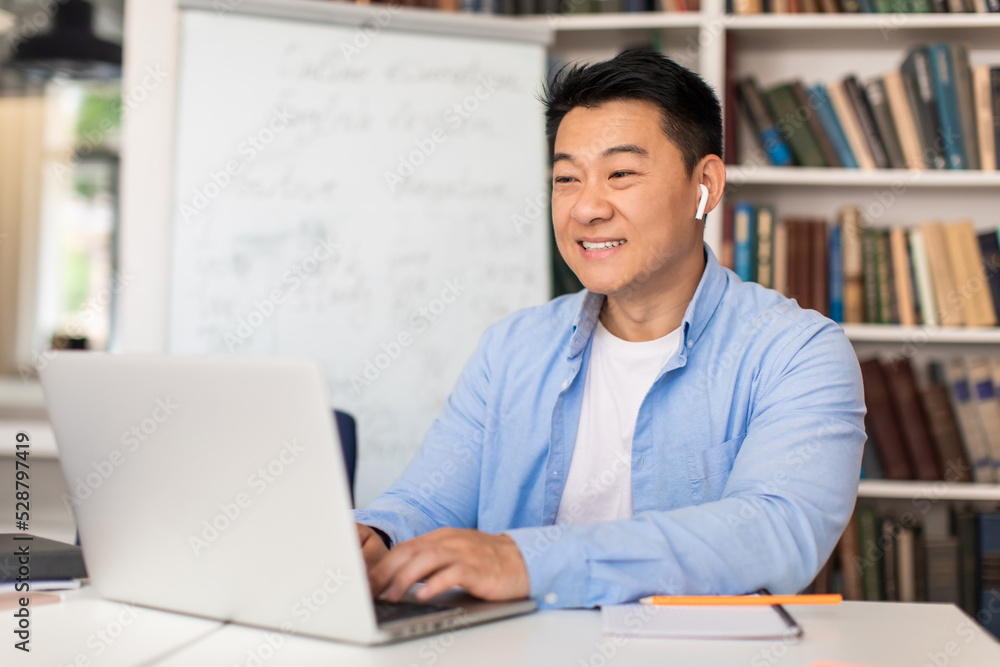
{"x": 216, "y": 487}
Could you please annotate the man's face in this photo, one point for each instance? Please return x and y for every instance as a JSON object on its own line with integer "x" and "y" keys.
{"x": 618, "y": 179}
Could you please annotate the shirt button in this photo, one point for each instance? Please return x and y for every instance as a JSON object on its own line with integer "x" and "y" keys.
{"x": 565, "y": 384}
{"x": 551, "y": 598}
{"x": 690, "y": 343}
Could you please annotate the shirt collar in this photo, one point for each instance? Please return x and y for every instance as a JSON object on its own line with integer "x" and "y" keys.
{"x": 699, "y": 311}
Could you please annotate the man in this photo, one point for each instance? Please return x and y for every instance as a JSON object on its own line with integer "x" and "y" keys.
{"x": 669, "y": 429}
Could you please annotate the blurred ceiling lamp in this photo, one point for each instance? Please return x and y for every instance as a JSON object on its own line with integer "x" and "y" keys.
{"x": 70, "y": 48}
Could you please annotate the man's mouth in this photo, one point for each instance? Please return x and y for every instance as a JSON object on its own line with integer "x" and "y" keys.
{"x": 603, "y": 245}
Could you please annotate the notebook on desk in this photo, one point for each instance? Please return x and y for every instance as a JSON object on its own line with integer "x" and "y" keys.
{"x": 215, "y": 487}
{"x": 641, "y": 620}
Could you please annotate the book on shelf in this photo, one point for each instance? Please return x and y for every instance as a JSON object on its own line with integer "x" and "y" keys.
{"x": 890, "y": 577}
{"x": 942, "y": 570}
{"x": 906, "y": 563}
{"x": 872, "y": 582}
{"x": 903, "y": 120}
{"x": 887, "y": 556}
{"x": 926, "y": 296}
{"x": 967, "y": 534}
{"x": 806, "y": 102}
{"x": 860, "y": 106}
{"x": 944, "y": 426}
{"x": 852, "y": 128}
{"x": 930, "y": 273}
{"x": 849, "y": 553}
{"x": 882, "y": 425}
{"x": 935, "y": 111}
{"x": 885, "y": 122}
{"x": 944, "y": 432}
{"x": 946, "y": 93}
{"x": 743, "y": 242}
{"x": 911, "y": 420}
{"x": 823, "y": 106}
{"x": 764, "y": 127}
{"x": 972, "y": 292}
{"x": 967, "y": 415}
{"x": 984, "y": 395}
{"x": 983, "y": 101}
{"x": 988, "y": 539}
{"x": 916, "y": 74}
{"x": 763, "y": 237}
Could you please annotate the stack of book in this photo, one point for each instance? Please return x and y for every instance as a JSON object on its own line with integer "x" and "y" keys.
{"x": 945, "y": 428}
{"x": 862, "y": 6}
{"x": 935, "y": 112}
{"x": 906, "y": 560}
{"x": 927, "y": 274}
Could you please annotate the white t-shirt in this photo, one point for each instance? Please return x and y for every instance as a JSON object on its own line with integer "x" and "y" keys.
{"x": 599, "y": 484}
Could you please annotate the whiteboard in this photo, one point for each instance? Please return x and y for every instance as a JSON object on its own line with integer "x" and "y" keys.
{"x": 334, "y": 203}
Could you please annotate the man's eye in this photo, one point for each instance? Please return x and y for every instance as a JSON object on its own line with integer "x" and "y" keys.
{"x": 563, "y": 179}
{"x": 619, "y": 174}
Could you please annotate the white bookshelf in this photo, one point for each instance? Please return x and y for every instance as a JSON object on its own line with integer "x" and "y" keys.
{"x": 907, "y": 490}
{"x": 909, "y": 178}
{"x": 893, "y": 333}
{"x": 875, "y": 22}
{"x": 823, "y": 48}
{"x": 618, "y": 21}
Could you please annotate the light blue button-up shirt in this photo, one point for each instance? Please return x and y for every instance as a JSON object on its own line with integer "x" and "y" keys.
{"x": 745, "y": 457}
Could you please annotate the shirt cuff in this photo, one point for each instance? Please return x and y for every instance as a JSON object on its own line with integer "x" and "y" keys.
{"x": 386, "y": 540}
{"x": 385, "y": 523}
{"x": 557, "y": 567}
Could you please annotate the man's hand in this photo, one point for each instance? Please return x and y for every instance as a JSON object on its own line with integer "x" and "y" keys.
{"x": 372, "y": 546}
{"x": 487, "y": 566}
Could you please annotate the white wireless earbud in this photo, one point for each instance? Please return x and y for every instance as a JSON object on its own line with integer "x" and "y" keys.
{"x": 703, "y": 203}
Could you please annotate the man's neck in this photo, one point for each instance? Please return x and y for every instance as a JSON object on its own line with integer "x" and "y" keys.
{"x": 657, "y": 308}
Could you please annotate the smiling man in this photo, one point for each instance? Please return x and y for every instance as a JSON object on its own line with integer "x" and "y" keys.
{"x": 669, "y": 429}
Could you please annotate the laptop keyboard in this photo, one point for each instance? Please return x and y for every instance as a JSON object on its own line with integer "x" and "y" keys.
{"x": 386, "y": 612}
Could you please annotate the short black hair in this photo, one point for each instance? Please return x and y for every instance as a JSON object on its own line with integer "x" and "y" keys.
{"x": 692, "y": 116}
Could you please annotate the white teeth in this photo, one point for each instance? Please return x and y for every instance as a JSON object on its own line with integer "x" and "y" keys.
{"x": 587, "y": 245}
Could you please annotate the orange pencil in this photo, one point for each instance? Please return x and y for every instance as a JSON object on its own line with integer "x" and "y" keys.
{"x": 740, "y": 600}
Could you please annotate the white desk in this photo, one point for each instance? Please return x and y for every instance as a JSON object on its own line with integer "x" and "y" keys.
{"x": 85, "y": 631}
{"x": 862, "y": 633}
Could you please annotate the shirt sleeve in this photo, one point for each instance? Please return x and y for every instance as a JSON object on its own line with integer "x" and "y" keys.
{"x": 786, "y": 502}
{"x": 440, "y": 487}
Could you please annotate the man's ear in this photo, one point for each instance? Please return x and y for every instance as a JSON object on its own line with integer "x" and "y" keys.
{"x": 710, "y": 173}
